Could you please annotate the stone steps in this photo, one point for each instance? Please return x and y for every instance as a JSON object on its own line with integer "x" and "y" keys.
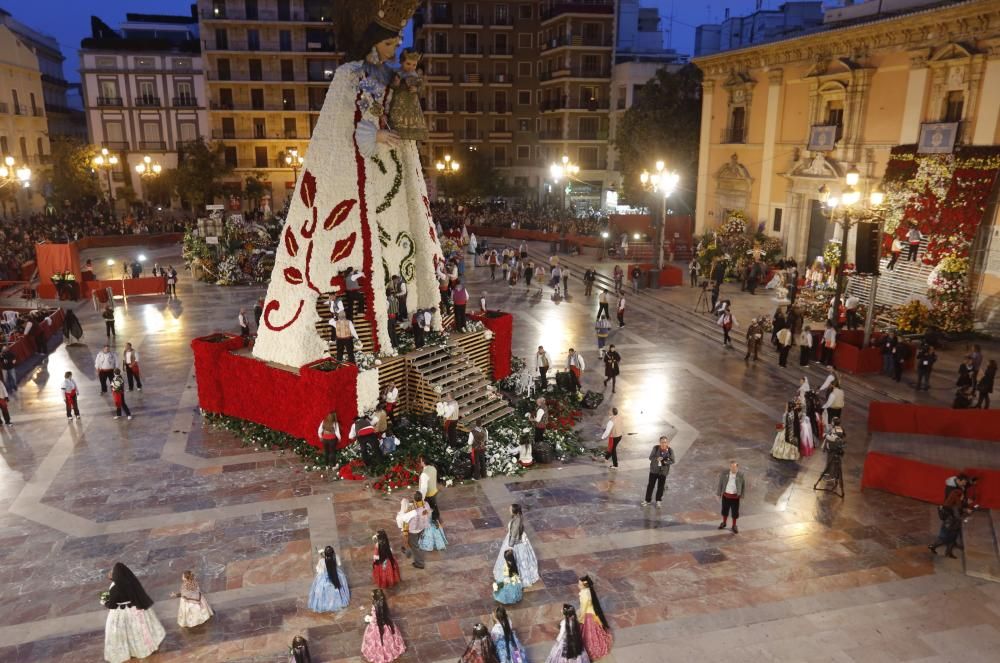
{"x": 980, "y": 538}
{"x": 906, "y": 281}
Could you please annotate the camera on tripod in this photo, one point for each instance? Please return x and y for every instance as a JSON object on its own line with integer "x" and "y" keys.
{"x": 704, "y": 284}
{"x": 835, "y": 440}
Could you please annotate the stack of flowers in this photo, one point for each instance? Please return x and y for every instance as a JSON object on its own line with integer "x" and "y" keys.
{"x": 397, "y": 477}
{"x": 950, "y": 296}
{"x": 912, "y": 318}
{"x": 352, "y": 471}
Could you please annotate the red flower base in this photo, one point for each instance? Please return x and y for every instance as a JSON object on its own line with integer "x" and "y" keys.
{"x": 293, "y": 403}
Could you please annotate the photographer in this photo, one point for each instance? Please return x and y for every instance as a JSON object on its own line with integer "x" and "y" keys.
{"x": 660, "y": 460}
{"x": 951, "y": 523}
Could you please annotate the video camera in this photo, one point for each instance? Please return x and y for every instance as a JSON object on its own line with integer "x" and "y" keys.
{"x": 835, "y": 440}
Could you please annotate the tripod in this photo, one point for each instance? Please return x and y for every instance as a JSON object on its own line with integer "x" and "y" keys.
{"x": 834, "y": 472}
{"x": 703, "y": 305}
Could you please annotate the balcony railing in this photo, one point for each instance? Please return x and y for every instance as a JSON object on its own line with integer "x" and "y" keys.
{"x": 501, "y": 50}
{"x": 566, "y": 104}
{"x": 439, "y": 18}
{"x": 147, "y": 101}
{"x": 271, "y": 77}
{"x": 470, "y": 135}
{"x": 557, "y": 9}
{"x": 474, "y": 79}
{"x": 577, "y": 40}
{"x": 500, "y": 109}
{"x": 574, "y": 72}
{"x": 501, "y": 135}
{"x": 152, "y": 145}
{"x": 115, "y": 144}
{"x": 581, "y": 134}
{"x": 471, "y": 50}
{"x": 254, "y": 134}
{"x": 501, "y": 79}
{"x": 184, "y": 102}
{"x": 263, "y": 15}
{"x": 734, "y": 135}
{"x": 109, "y": 101}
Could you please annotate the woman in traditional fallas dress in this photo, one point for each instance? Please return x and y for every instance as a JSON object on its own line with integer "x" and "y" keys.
{"x": 132, "y": 629}
{"x": 360, "y": 200}
{"x": 385, "y": 569}
{"x": 508, "y": 646}
{"x": 382, "y": 643}
{"x": 568, "y": 647}
{"x": 596, "y": 634}
{"x": 329, "y": 592}
{"x": 786, "y": 440}
{"x": 517, "y": 540}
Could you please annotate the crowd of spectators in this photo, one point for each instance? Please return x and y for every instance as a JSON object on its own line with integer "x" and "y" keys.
{"x": 547, "y": 218}
{"x": 19, "y": 234}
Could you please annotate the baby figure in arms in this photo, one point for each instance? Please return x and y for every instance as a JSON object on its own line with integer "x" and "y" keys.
{"x": 405, "y": 116}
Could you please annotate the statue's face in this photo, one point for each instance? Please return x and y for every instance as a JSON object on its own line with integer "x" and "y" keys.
{"x": 387, "y": 48}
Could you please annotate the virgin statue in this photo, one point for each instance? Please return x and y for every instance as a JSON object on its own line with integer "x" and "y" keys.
{"x": 360, "y": 202}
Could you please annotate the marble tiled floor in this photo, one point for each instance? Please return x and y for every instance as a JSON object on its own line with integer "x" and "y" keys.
{"x": 809, "y": 577}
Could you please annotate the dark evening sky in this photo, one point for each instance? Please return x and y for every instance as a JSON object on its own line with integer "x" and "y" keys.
{"x": 69, "y": 20}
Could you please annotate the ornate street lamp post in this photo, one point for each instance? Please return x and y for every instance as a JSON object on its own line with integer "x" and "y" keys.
{"x": 107, "y": 161}
{"x": 661, "y": 184}
{"x": 446, "y": 168}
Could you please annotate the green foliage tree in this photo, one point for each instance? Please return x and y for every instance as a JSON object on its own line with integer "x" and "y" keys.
{"x": 664, "y": 123}
{"x": 476, "y": 178}
{"x": 70, "y": 181}
{"x": 200, "y": 169}
{"x": 254, "y": 188}
{"x": 158, "y": 190}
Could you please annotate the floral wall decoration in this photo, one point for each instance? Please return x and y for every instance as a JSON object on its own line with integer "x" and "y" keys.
{"x": 945, "y": 197}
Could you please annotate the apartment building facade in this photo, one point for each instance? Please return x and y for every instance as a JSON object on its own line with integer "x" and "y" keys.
{"x": 23, "y": 127}
{"x": 143, "y": 90}
{"x": 63, "y": 120}
{"x": 529, "y": 82}
{"x": 781, "y": 119}
{"x": 268, "y": 64}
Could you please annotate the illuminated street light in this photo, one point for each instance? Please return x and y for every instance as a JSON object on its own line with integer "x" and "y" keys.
{"x": 662, "y": 183}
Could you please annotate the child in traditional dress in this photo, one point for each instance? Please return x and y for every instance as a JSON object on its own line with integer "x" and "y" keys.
{"x": 568, "y": 647}
{"x": 299, "y": 651}
{"x": 481, "y": 649}
{"x": 509, "y": 590}
{"x": 433, "y": 538}
{"x": 382, "y": 642}
{"x": 193, "y": 609}
{"x": 385, "y": 570}
{"x": 508, "y": 646}
{"x": 405, "y": 116}
{"x": 329, "y": 592}
{"x": 517, "y": 541}
{"x": 595, "y": 632}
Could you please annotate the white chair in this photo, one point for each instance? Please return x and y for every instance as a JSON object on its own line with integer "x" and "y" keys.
{"x": 526, "y": 384}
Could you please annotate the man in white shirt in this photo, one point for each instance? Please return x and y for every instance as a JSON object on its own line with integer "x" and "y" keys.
{"x": 105, "y": 364}
{"x": 428, "y": 486}
{"x": 413, "y": 521}
{"x": 851, "y": 307}
{"x": 346, "y": 335}
{"x": 731, "y": 487}
{"x": 353, "y": 288}
{"x": 542, "y": 363}
{"x": 70, "y": 392}
{"x": 575, "y": 364}
{"x": 420, "y": 325}
{"x": 540, "y": 420}
{"x": 3, "y": 404}
{"x": 834, "y": 405}
{"x": 130, "y": 358}
{"x": 478, "y": 438}
{"x": 829, "y": 342}
{"x": 784, "y": 336}
{"x": 450, "y": 414}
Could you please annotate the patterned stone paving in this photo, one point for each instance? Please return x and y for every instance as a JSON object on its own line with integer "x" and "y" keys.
{"x": 809, "y": 577}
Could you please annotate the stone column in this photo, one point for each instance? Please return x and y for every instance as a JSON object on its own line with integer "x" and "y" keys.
{"x": 770, "y": 135}
{"x": 913, "y": 103}
{"x": 701, "y": 204}
{"x": 989, "y": 100}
